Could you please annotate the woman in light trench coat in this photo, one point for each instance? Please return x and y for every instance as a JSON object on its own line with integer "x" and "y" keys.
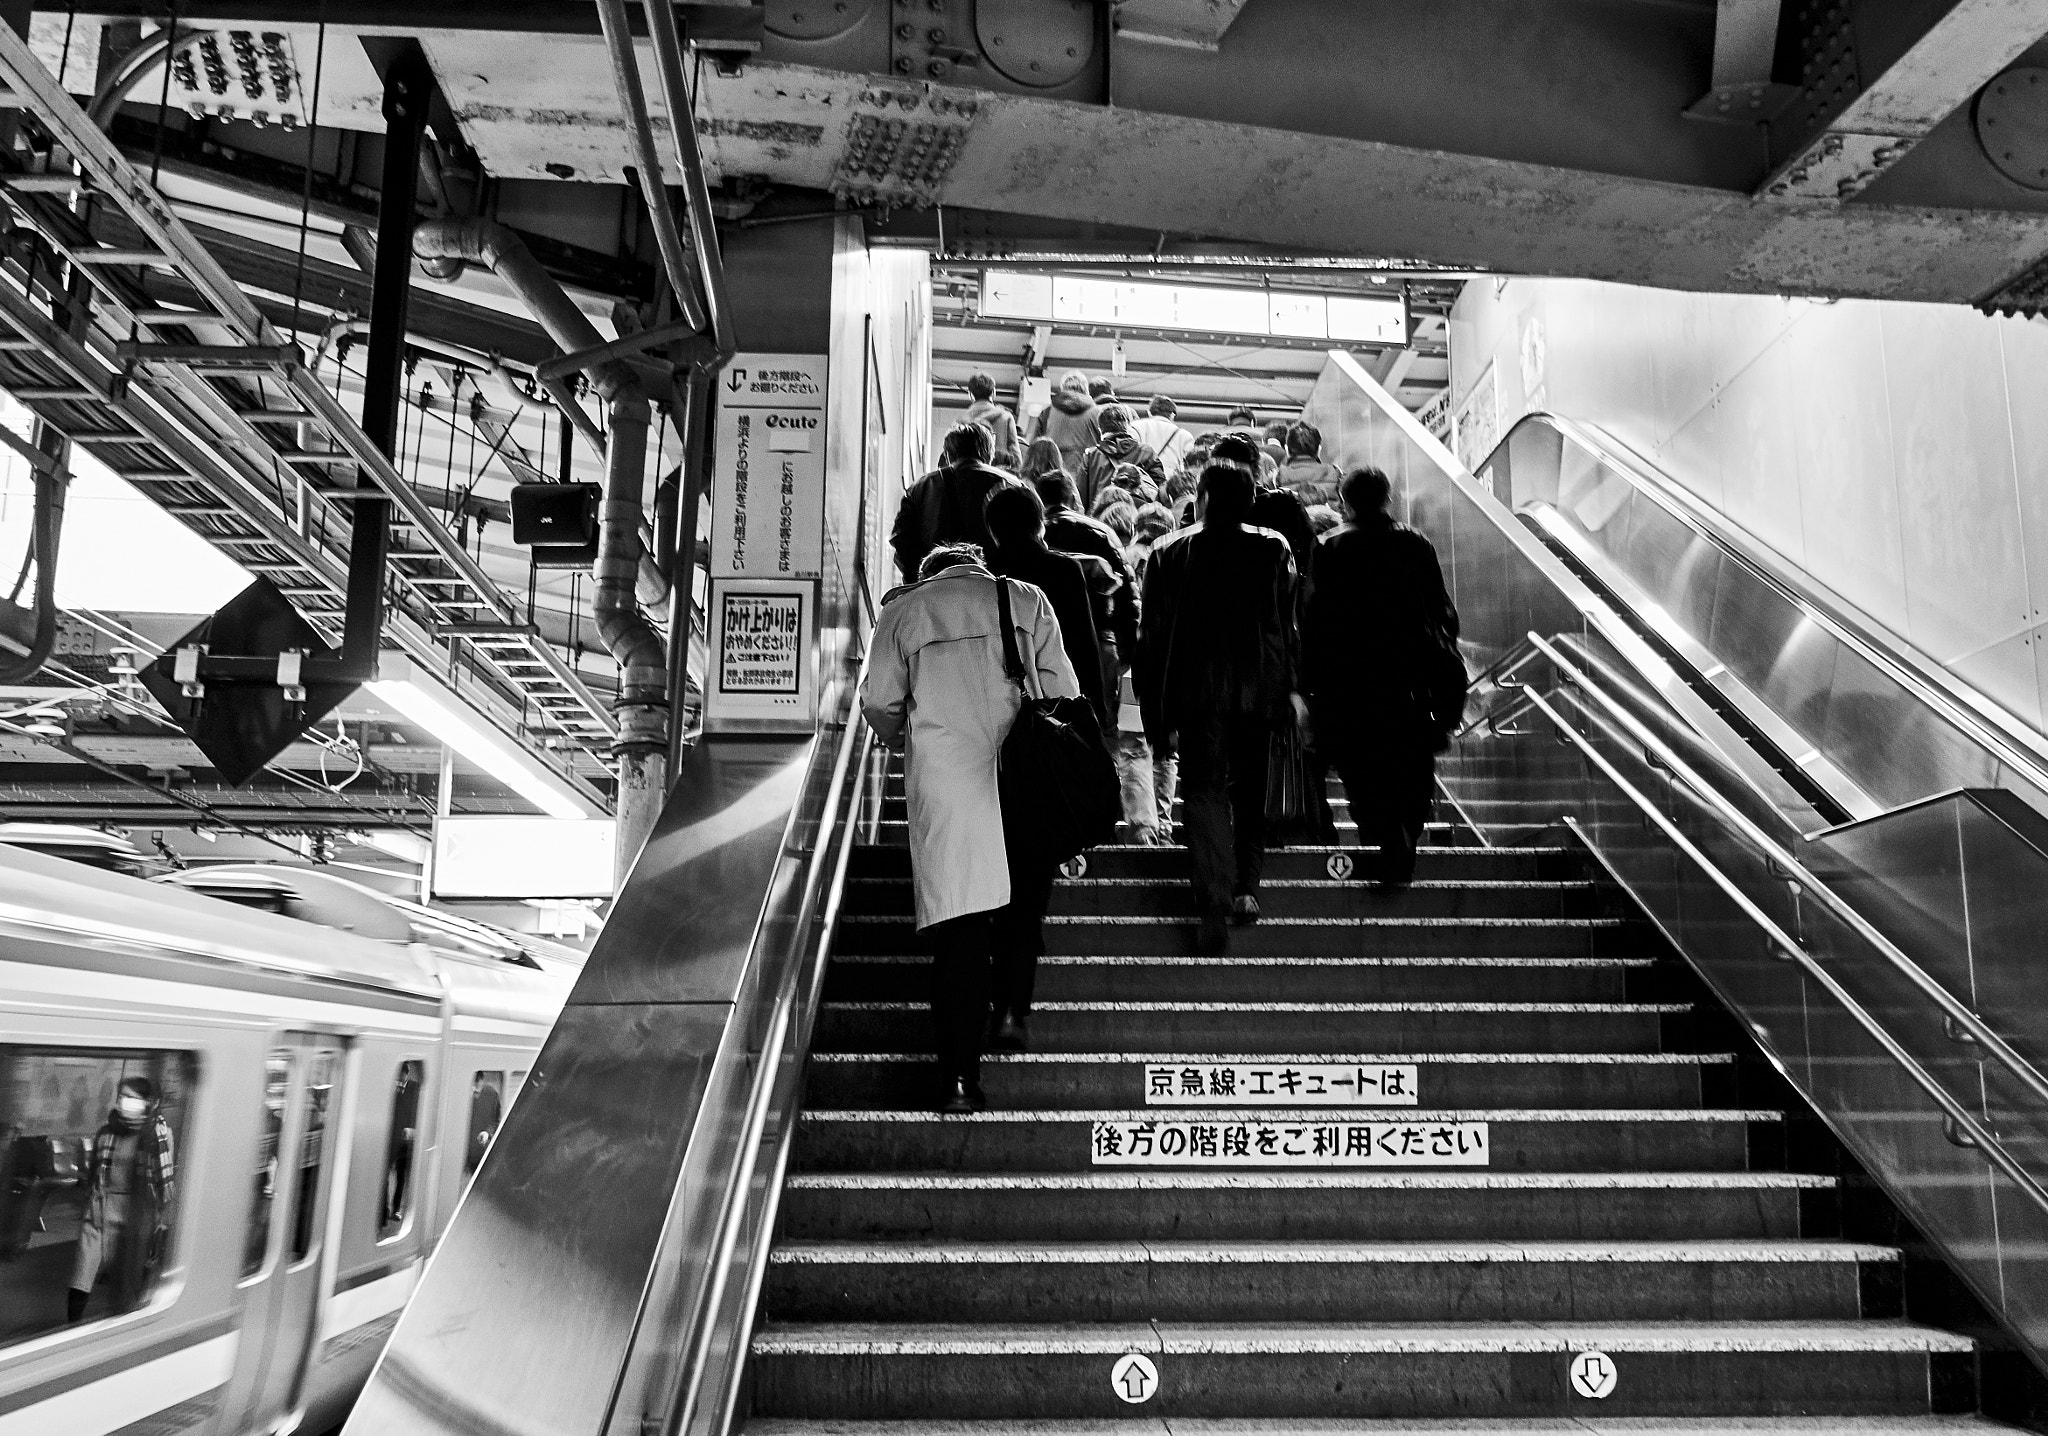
{"x": 934, "y": 687}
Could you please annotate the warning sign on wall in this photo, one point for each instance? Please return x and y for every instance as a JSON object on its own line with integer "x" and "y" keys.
{"x": 761, "y": 651}
{"x": 768, "y": 482}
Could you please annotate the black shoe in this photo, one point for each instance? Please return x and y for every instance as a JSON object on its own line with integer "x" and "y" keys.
{"x": 75, "y": 1303}
{"x": 1010, "y": 1034}
{"x": 1244, "y": 910}
{"x": 960, "y": 1098}
{"x": 1215, "y": 934}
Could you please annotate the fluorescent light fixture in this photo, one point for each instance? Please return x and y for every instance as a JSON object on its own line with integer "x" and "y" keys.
{"x": 423, "y": 699}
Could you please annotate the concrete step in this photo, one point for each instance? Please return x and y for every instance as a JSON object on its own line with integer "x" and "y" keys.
{"x": 1074, "y": 977}
{"x": 1023, "y": 1371}
{"x": 1181, "y": 1279}
{"x": 1299, "y": 937}
{"x": 1533, "y": 1139}
{"x": 1435, "y": 864}
{"x": 1442, "y": 833}
{"x": 1283, "y": 897}
{"x": 1338, "y": 1027}
{"x": 1134, "y": 1079}
{"x": 1345, "y": 1205}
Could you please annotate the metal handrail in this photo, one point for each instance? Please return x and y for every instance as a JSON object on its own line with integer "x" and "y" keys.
{"x": 1792, "y": 870}
{"x": 795, "y": 1003}
{"x": 1948, "y": 698}
{"x": 1960, "y": 1116}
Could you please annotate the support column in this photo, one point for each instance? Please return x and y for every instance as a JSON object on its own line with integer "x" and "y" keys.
{"x": 408, "y": 84}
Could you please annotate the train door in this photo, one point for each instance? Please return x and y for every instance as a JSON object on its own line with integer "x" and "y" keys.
{"x": 293, "y": 1185}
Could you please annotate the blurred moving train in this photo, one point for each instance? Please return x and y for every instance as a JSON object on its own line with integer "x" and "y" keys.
{"x": 323, "y": 1069}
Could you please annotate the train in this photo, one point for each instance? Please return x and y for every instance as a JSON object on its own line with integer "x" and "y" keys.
{"x": 237, "y": 1107}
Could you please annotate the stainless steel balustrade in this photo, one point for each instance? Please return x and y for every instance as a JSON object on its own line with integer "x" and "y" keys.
{"x": 1876, "y": 1012}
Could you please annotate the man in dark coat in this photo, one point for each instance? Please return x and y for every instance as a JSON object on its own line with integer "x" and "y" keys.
{"x": 944, "y": 507}
{"x": 1216, "y": 670}
{"x": 1274, "y": 507}
{"x": 1016, "y": 521}
{"x": 1376, "y": 615}
{"x": 1115, "y": 593}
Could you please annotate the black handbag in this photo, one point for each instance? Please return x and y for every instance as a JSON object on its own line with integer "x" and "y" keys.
{"x": 1055, "y": 777}
{"x": 1446, "y": 687}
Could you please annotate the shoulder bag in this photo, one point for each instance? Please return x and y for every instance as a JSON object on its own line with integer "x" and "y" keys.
{"x": 1055, "y": 777}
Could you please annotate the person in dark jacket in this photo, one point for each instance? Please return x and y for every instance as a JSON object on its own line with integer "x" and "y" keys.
{"x": 1072, "y": 420}
{"x": 1118, "y": 445}
{"x": 1273, "y": 507}
{"x": 944, "y": 507}
{"x": 1016, "y": 521}
{"x": 1375, "y": 615}
{"x": 1216, "y": 671}
{"x": 1114, "y": 591}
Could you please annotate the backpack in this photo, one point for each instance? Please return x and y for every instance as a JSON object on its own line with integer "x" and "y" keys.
{"x": 1055, "y": 778}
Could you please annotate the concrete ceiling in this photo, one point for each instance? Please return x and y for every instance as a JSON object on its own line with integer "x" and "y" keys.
{"x": 1547, "y": 138}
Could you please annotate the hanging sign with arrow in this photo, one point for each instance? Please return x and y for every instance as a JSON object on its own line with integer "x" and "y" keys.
{"x": 768, "y": 484}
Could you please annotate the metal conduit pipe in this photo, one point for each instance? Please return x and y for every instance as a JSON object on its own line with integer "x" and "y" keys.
{"x": 642, "y": 744}
{"x": 618, "y": 44}
{"x": 682, "y": 127}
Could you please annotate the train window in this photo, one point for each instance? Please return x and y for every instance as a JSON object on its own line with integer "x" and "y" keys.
{"x": 486, "y": 1109}
{"x": 90, "y": 1145}
{"x": 277, "y": 1077}
{"x": 312, "y": 1153}
{"x": 395, "y": 1201}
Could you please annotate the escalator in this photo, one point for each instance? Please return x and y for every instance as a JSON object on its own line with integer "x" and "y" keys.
{"x": 1693, "y": 1080}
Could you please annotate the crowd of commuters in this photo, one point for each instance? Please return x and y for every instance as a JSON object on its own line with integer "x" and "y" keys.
{"x": 1208, "y": 596}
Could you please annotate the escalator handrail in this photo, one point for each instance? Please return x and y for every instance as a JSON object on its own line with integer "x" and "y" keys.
{"x": 1783, "y": 942}
{"x": 835, "y": 825}
{"x": 1787, "y": 866}
{"x": 1955, "y": 702}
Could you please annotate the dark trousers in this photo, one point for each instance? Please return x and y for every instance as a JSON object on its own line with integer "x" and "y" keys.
{"x": 1223, "y": 805}
{"x": 1390, "y": 786}
{"x": 982, "y": 960}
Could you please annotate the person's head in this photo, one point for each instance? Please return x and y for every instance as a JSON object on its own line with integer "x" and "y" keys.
{"x": 970, "y": 443}
{"x": 1225, "y": 494}
{"x": 134, "y": 1097}
{"x": 1162, "y": 407}
{"x": 1122, "y": 520}
{"x": 1042, "y": 456}
{"x": 1237, "y": 448}
{"x": 949, "y": 555}
{"x": 1153, "y": 521}
{"x": 1115, "y": 418}
{"x": 1074, "y": 381}
{"x": 1014, "y": 515}
{"x": 1366, "y": 492}
{"x": 1275, "y": 430}
{"x": 1322, "y": 518}
{"x": 1304, "y": 440}
{"x": 1204, "y": 442}
{"x": 1056, "y": 490}
{"x": 1178, "y": 487}
{"x": 1105, "y": 496}
{"x": 1242, "y": 418}
{"x": 1101, "y": 390}
{"x": 981, "y": 387}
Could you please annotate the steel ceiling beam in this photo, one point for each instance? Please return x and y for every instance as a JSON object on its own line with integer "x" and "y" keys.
{"x": 1849, "y": 128}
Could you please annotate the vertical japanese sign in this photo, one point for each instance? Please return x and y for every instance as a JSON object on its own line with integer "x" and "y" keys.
{"x": 768, "y": 479}
{"x": 767, "y": 541}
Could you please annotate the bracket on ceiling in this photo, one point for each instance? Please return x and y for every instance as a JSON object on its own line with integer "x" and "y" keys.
{"x": 1745, "y": 49}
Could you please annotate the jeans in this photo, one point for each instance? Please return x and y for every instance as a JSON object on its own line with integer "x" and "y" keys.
{"x": 1390, "y": 786}
{"x": 984, "y": 959}
{"x": 1148, "y": 788}
{"x": 1223, "y": 805}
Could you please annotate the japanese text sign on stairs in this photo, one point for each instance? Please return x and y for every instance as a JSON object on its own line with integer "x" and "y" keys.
{"x": 768, "y": 474}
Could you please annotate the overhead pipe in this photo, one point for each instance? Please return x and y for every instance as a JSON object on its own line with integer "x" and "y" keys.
{"x": 618, "y": 44}
{"x": 642, "y": 744}
{"x": 682, "y": 129}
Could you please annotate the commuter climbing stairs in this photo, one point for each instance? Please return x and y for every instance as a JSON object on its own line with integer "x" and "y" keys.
{"x": 1481, "y": 1149}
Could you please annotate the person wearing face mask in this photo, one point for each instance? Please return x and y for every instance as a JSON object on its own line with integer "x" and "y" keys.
{"x": 129, "y": 1182}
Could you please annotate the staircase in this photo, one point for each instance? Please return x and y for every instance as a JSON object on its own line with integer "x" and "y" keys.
{"x": 1570, "y": 1210}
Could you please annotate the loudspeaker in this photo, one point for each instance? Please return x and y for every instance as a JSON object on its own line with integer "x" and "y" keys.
{"x": 563, "y": 515}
